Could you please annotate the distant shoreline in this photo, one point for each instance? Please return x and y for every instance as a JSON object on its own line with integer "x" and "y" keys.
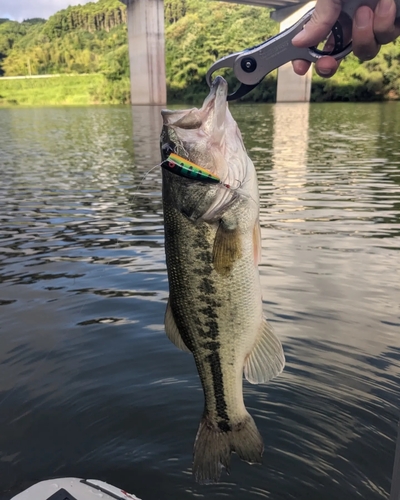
{"x": 44, "y": 90}
{"x": 87, "y": 89}
{"x": 42, "y": 76}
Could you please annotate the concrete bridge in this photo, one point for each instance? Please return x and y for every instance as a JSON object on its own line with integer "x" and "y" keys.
{"x": 147, "y": 50}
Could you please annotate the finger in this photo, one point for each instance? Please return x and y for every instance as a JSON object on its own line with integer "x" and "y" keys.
{"x": 326, "y": 69}
{"x": 325, "y": 15}
{"x": 365, "y": 46}
{"x": 384, "y": 22}
{"x": 326, "y": 66}
{"x": 300, "y": 66}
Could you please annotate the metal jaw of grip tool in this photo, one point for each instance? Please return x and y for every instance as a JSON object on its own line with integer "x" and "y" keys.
{"x": 250, "y": 66}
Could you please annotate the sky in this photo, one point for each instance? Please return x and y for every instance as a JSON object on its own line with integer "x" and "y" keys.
{"x": 18, "y": 10}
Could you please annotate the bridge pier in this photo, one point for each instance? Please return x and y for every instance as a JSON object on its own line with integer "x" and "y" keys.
{"x": 147, "y": 51}
{"x": 292, "y": 87}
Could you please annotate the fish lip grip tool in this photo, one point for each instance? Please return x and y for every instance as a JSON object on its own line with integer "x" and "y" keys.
{"x": 250, "y": 66}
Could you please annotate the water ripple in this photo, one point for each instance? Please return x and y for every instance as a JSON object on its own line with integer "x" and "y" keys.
{"x": 89, "y": 383}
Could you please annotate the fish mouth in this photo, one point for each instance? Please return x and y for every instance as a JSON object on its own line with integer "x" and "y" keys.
{"x": 207, "y": 136}
{"x": 211, "y": 115}
{"x": 218, "y": 93}
{"x": 216, "y": 104}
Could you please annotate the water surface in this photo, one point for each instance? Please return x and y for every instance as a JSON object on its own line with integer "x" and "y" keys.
{"x": 89, "y": 384}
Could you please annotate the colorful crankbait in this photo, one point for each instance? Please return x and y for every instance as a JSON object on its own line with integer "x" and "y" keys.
{"x": 185, "y": 168}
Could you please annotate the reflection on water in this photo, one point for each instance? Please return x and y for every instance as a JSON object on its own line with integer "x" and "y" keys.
{"x": 289, "y": 155}
{"x": 89, "y": 384}
{"x": 147, "y": 125}
{"x": 290, "y": 143}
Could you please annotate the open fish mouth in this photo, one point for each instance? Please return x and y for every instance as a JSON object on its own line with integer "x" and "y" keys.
{"x": 207, "y": 136}
{"x": 216, "y": 100}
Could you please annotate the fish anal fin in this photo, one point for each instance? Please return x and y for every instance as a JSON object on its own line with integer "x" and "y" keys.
{"x": 267, "y": 359}
{"x": 172, "y": 330}
{"x": 227, "y": 249}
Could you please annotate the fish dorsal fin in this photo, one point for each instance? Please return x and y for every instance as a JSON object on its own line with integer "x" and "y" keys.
{"x": 267, "y": 359}
{"x": 172, "y": 330}
{"x": 227, "y": 249}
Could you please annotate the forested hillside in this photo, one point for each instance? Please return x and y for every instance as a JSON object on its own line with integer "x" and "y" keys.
{"x": 93, "y": 39}
{"x": 82, "y": 39}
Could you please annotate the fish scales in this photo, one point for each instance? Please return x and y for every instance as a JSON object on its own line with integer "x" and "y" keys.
{"x": 215, "y": 307}
{"x": 209, "y": 308}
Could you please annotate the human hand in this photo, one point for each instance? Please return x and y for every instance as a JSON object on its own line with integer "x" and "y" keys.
{"x": 368, "y": 30}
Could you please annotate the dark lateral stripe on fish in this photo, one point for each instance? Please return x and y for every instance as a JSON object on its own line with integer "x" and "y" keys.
{"x": 213, "y": 328}
{"x": 209, "y": 301}
{"x": 211, "y": 333}
{"x": 224, "y": 426}
{"x": 207, "y": 286}
{"x": 212, "y": 346}
{"x": 209, "y": 311}
{"x": 218, "y": 384}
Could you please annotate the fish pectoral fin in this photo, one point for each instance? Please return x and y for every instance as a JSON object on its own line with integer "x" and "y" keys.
{"x": 227, "y": 248}
{"x": 267, "y": 359}
{"x": 172, "y": 330}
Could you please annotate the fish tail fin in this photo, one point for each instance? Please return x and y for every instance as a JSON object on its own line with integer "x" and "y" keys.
{"x": 213, "y": 447}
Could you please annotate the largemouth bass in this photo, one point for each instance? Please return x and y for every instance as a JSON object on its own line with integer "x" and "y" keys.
{"x": 213, "y": 248}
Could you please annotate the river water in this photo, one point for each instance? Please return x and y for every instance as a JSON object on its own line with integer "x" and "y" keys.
{"x": 89, "y": 384}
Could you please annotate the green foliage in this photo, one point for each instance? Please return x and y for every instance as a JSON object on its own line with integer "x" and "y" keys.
{"x": 92, "y": 39}
{"x": 174, "y": 10}
{"x": 102, "y": 15}
{"x": 78, "y": 89}
{"x": 10, "y": 33}
{"x": 116, "y": 91}
{"x": 207, "y": 31}
{"x": 202, "y": 31}
{"x": 81, "y": 39}
{"x": 373, "y": 80}
{"x": 35, "y": 20}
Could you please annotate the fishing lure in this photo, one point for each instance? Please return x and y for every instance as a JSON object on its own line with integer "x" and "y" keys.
{"x": 185, "y": 168}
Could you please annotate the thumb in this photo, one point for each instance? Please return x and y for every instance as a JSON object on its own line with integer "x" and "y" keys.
{"x": 325, "y": 15}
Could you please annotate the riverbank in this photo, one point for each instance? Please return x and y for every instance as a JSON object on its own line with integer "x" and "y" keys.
{"x": 62, "y": 90}
{"x": 95, "y": 88}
